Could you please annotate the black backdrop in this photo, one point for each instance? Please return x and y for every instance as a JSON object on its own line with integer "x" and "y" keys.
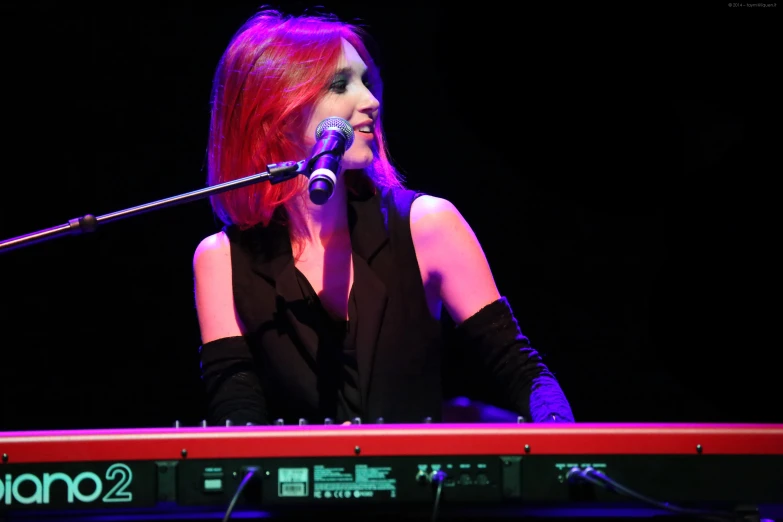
{"x": 618, "y": 165}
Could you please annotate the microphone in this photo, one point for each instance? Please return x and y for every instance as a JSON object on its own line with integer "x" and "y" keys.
{"x": 333, "y": 137}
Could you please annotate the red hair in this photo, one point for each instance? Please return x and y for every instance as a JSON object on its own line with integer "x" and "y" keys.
{"x": 274, "y": 69}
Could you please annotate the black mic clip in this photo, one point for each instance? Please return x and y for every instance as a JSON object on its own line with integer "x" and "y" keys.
{"x": 286, "y": 170}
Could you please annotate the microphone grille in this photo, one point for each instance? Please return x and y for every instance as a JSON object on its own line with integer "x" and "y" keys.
{"x": 339, "y": 124}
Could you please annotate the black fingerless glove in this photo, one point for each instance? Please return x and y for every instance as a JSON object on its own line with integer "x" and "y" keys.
{"x": 231, "y": 382}
{"x": 493, "y": 337}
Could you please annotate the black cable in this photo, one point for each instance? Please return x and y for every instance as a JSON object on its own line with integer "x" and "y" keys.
{"x": 600, "y": 479}
{"x": 439, "y": 477}
{"x": 251, "y": 470}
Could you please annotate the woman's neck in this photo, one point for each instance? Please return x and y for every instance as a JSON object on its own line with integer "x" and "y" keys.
{"x": 321, "y": 224}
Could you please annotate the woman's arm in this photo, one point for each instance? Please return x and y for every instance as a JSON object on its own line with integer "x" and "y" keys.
{"x": 451, "y": 256}
{"x": 231, "y": 381}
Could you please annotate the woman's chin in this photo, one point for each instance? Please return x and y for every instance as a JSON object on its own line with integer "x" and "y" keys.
{"x": 355, "y": 163}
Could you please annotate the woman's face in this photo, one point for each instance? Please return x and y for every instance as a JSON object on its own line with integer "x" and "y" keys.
{"x": 349, "y": 97}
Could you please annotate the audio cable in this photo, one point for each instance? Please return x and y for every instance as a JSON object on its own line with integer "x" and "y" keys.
{"x": 600, "y": 479}
{"x": 251, "y": 470}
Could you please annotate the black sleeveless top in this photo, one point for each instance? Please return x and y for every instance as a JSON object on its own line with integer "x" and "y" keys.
{"x": 385, "y": 362}
{"x": 338, "y": 347}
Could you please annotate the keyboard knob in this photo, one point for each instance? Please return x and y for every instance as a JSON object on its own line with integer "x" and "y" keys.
{"x": 356, "y": 420}
{"x": 379, "y": 420}
{"x": 521, "y": 420}
{"x": 176, "y": 424}
{"x": 303, "y": 422}
{"x": 279, "y": 422}
{"x": 228, "y": 423}
{"x": 203, "y": 424}
{"x": 328, "y": 421}
{"x": 427, "y": 420}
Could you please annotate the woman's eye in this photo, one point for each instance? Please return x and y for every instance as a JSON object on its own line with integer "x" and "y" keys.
{"x": 339, "y": 85}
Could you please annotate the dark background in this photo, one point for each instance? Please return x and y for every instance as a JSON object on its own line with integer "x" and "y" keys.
{"x": 618, "y": 165}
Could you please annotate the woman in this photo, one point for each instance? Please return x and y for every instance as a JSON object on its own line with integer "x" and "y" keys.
{"x": 331, "y": 312}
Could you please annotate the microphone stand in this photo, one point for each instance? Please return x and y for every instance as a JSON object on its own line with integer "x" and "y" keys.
{"x": 88, "y": 223}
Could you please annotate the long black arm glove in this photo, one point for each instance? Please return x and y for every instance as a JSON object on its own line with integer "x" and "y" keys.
{"x": 493, "y": 337}
{"x": 231, "y": 383}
